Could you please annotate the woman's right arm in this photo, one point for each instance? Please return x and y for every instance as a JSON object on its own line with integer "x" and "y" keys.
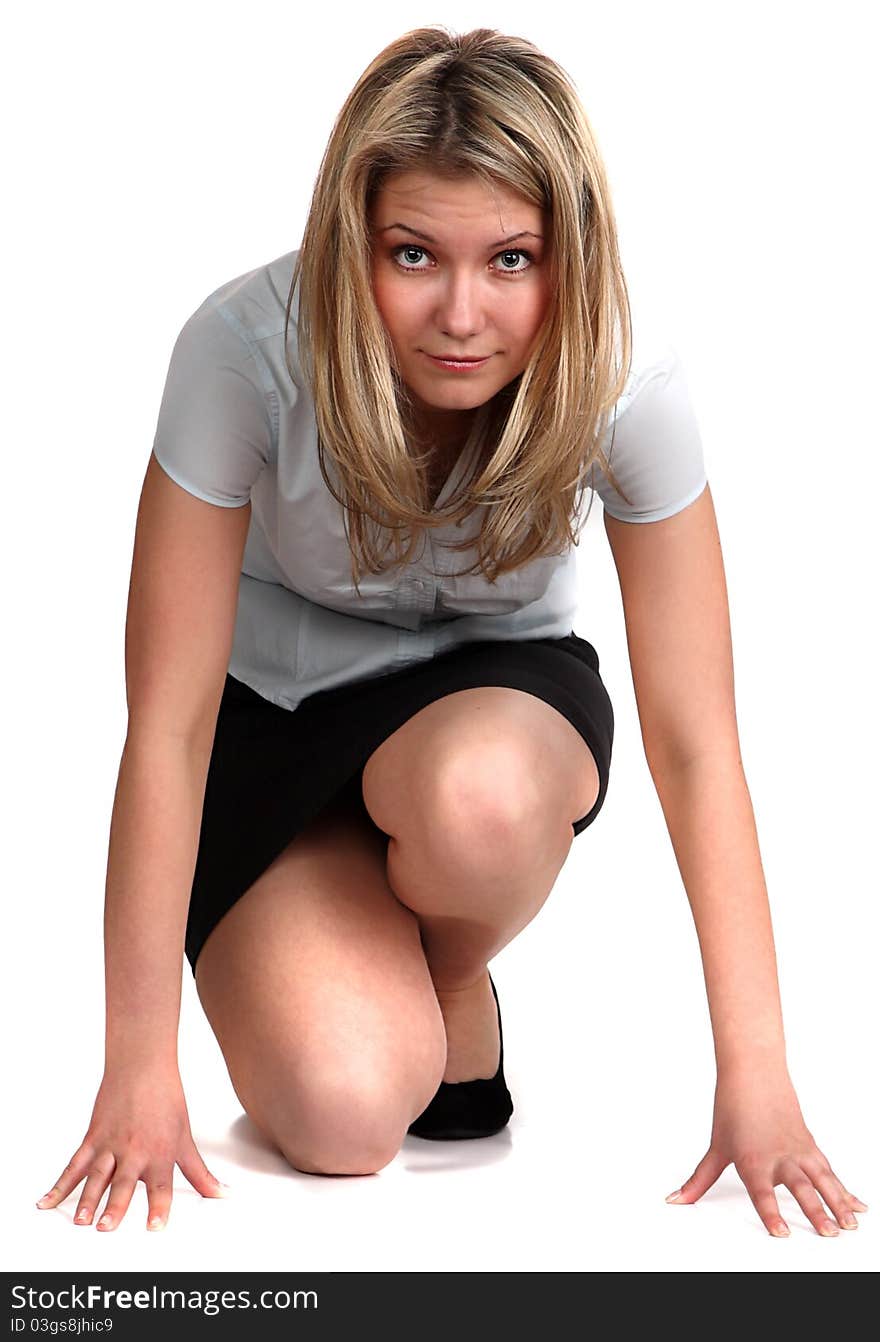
{"x": 181, "y": 614}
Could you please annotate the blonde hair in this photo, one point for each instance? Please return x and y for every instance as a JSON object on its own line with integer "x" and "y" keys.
{"x": 493, "y": 107}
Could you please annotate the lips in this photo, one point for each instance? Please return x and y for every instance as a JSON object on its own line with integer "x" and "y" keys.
{"x": 457, "y": 366}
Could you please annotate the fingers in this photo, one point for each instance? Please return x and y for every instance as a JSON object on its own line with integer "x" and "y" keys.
{"x": 159, "y": 1192}
{"x": 159, "y": 1183}
{"x": 802, "y": 1180}
{"x": 201, "y": 1178}
{"x": 102, "y": 1168}
{"x": 835, "y": 1196}
{"x": 70, "y": 1177}
{"x": 704, "y": 1176}
{"x": 121, "y": 1192}
{"x": 838, "y": 1199}
{"x": 100, "y": 1174}
{"x": 766, "y": 1206}
{"x": 850, "y": 1198}
{"x": 801, "y": 1188}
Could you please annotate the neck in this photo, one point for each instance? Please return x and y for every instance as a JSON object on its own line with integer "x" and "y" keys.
{"x": 446, "y": 431}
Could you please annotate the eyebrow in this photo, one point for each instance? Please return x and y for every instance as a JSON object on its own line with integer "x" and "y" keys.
{"x": 502, "y": 242}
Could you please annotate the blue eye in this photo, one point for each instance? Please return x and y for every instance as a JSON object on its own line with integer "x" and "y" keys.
{"x": 407, "y": 247}
{"x": 508, "y": 251}
{"x": 516, "y": 251}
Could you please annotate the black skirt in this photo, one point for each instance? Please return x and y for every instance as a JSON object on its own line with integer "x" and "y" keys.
{"x": 273, "y": 769}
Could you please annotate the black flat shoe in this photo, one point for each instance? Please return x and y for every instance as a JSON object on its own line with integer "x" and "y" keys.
{"x": 463, "y": 1109}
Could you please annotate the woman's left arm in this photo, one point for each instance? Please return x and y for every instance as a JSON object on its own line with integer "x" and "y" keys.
{"x": 677, "y": 619}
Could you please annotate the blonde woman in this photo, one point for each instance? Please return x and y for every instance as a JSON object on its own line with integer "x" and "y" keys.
{"x": 363, "y": 731}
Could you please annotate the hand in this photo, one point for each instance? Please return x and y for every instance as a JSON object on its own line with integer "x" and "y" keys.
{"x": 139, "y": 1129}
{"x": 758, "y": 1125}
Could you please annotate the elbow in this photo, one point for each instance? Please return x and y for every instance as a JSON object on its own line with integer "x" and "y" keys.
{"x": 674, "y": 754}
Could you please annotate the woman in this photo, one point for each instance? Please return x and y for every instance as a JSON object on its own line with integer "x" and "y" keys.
{"x": 363, "y": 733}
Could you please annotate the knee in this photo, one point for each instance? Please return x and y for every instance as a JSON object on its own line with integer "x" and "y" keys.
{"x": 481, "y": 807}
{"x": 339, "y": 1126}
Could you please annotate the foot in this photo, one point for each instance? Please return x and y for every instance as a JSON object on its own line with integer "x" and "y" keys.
{"x": 471, "y": 1019}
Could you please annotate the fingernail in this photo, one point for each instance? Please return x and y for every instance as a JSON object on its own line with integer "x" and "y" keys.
{"x": 155, "y": 1223}
{"x": 83, "y": 1215}
{"x": 829, "y": 1229}
{"x": 673, "y": 1197}
{"x": 47, "y": 1197}
{"x": 781, "y": 1229}
{"x": 849, "y": 1221}
{"x": 862, "y": 1206}
{"x": 105, "y": 1223}
{"x": 223, "y": 1189}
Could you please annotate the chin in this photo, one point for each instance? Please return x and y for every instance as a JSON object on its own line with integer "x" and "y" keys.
{"x": 459, "y": 406}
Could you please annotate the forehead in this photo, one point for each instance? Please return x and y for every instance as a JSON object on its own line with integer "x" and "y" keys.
{"x": 464, "y": 198}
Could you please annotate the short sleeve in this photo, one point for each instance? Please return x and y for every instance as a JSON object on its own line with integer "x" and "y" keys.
{"x": 656, "y": 449}
{"x": 214, "y": 431}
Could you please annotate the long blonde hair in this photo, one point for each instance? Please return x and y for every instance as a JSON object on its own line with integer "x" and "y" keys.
{"x": 493, "y": 107}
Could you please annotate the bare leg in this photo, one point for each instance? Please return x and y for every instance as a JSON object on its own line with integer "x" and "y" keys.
{"x": 478, "y": 793}
{"x": 316, "y": 987}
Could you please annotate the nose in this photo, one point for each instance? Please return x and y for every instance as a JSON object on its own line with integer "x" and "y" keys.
{"x": 459, "y": 311}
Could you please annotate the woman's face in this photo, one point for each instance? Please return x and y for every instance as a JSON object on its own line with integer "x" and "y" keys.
{"x": 452, "y": 276}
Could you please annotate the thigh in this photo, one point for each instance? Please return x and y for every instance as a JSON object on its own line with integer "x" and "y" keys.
{"x": 315, "y": 981}
{"x": 494, "y": 733}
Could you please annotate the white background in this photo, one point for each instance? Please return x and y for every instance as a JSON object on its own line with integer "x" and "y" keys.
{"x": 154, "y": 152}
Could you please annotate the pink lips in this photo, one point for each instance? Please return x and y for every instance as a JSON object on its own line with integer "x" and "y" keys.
{"x": 457, "y": 365}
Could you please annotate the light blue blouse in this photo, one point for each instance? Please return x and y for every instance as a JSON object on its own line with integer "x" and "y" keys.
{"x": 234, "y": 426}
